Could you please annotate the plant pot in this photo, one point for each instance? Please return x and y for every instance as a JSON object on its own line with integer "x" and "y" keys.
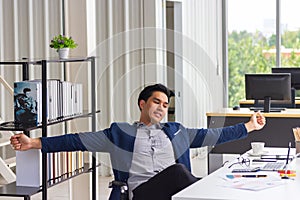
{"x": 63, "y": 53}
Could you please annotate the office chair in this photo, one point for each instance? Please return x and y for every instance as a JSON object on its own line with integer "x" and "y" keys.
{"x": 123, "y": 188}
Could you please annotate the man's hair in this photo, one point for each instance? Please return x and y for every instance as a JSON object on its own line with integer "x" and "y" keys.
{"x": 148, "y": 91}
{"x": 26, "y": 90}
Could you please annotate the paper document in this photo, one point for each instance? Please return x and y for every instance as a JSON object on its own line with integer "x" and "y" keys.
{"x": 251, "y": 183}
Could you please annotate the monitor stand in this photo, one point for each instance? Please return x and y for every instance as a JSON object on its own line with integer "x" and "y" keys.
{"x": 293, "y": 93}
{"x": 267, "y": 104}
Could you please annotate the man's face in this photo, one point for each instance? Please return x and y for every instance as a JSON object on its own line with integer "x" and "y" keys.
{"x": 27, "y": 94}
{"x": 155, "y": 109}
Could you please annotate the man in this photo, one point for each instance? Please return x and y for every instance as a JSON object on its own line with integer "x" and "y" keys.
{"x": 151, "y": 157}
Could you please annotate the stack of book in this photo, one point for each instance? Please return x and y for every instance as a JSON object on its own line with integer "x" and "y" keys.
{"x": 63, "y": 165}
{"x": 64, "y": 99}
{"x": 60, "y": 166}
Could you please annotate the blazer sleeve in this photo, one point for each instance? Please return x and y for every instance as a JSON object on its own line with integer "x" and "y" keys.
{"x": 214, "y": 136}
{"x": 68, "y": 142}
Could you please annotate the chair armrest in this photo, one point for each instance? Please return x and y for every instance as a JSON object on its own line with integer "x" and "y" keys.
{"x": 123, "y": 186}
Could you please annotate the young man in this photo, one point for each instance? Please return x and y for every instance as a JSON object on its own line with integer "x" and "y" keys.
{"x": 151, "y": 157}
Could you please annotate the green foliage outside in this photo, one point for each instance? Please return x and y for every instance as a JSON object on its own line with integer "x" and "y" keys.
{"x": 246, "y": 55}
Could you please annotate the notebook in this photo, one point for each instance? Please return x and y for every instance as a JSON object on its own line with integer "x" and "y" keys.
{"x": 279, "y": 165}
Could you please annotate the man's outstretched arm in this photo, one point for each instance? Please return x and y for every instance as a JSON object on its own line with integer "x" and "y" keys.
{"x": 67, "y": 142}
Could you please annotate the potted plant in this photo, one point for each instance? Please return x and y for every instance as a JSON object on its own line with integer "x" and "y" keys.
{"x": 62, "y": 44}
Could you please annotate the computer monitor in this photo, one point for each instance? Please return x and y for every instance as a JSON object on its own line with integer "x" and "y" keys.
{"x": 295, "y": 75}
{"x": 295, "y": 79}
{"x": 268, "y": 87}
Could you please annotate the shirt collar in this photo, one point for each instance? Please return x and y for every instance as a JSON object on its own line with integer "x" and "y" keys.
{"x": 153, "y": 126}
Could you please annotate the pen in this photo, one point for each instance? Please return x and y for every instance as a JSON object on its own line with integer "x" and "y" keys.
{"x": 254, "y": 176}
{"x": 263, "y": 160}
{"x": 231, "y": 176}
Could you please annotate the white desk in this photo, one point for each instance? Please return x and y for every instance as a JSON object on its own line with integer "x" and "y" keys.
{"x": 209, "y": 188}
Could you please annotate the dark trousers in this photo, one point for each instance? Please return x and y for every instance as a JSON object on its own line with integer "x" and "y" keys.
{"x": 165, "y": 184}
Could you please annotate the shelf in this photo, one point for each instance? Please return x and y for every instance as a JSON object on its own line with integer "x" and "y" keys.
{"x": 13, "y": 126}
{"x": 21, "y": 191}
{"x": 20, "y": 62}
{"x": 38, "y": 61}
{"x": 65, "y": 177}
{"x": 71, "y": 59}
{"x": 26, "y": 192}
{"x": 18, "y": 191}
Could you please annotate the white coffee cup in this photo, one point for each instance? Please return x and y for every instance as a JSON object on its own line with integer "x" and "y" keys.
{"x": 257, "y": 147}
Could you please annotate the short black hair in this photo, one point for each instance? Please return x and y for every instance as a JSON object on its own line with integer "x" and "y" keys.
{"x": 26, "y": 90}
{"x": 148, "y": 91}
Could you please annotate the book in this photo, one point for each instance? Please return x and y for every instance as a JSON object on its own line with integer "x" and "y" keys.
{"x": 30, "y": 168}
{"x": 27, "y": 103}
{"x": 53, "y": 99}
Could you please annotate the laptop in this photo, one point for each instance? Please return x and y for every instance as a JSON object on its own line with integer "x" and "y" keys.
{"x": 279, "y": 165}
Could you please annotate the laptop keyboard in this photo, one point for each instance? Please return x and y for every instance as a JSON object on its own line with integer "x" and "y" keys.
{"x": 273, "y": 166}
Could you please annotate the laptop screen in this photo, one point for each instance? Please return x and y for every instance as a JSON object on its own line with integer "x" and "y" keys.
{"x": 275, "y": 166}
{"x": 288, "y": 155}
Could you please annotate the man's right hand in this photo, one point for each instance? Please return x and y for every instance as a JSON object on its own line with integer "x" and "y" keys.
{"x": 21, "y": 142}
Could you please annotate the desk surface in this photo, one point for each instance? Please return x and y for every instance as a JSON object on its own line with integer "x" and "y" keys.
{"x": 245, "y": 112}
{"x": 251, "y": 102}
{"x": 210, "y": 187}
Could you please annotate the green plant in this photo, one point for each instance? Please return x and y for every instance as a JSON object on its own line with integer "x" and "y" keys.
{"x": 61, "y": 41}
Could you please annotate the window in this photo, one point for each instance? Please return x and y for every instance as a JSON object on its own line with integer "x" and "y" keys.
{"x": 252, "y": 40}
{"x": 290, "y": 34}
